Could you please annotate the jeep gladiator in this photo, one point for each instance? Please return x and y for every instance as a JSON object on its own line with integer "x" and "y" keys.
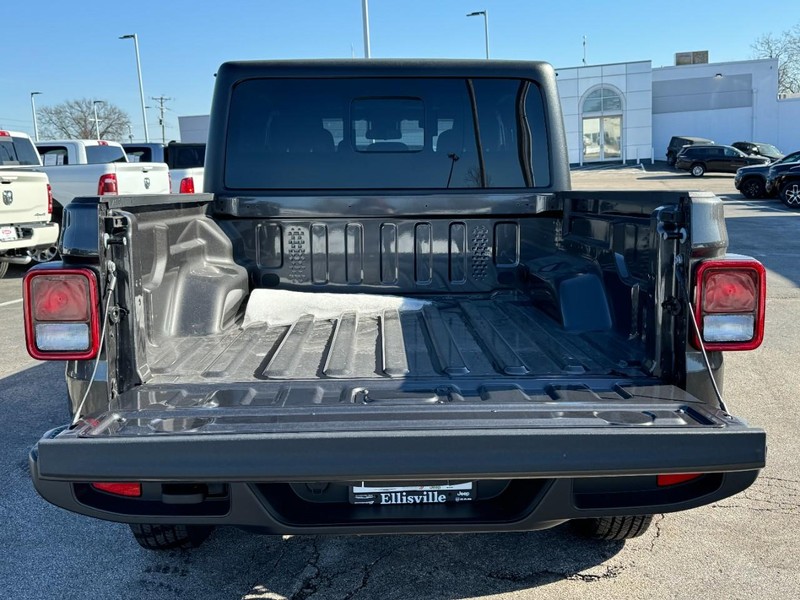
{"x": 391, "y": 315}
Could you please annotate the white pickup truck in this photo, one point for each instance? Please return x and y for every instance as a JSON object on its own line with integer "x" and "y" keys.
{"x": 185, "y": 162}
{"x": 26, "y": 230}
{"x": 96, "y": 168}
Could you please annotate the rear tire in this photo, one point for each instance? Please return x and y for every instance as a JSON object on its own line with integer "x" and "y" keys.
{"x": 170, "y": 537}
{"x": 3, "y": 269}
{"x": 790, "y": 194}
{"x": 698, "y": 170}
{"x": 613, "y": 528}
{"x": 753, "y": 188}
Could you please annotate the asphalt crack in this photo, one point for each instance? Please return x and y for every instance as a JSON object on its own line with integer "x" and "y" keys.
{"x": 368, "y": 567}
{"x": 657, "y": 525}
{"x": 310, "y": 584}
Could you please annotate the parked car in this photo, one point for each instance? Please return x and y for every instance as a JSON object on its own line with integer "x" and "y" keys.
{"x": 752, "y": 181}
{"x": 317, "y": 346}
{"x": 699, "y": 160}
{"x": 784, "y": 180}
{"x": 95, "y": 168}
{"x": 759, "y": 149}
{"x": 27, "y": 232}
{"x": 678, "y": 142}
{"x": 185, "y": 162}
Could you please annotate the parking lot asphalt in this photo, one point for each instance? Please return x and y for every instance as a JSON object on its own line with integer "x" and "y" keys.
{"x": 743, "y": 547}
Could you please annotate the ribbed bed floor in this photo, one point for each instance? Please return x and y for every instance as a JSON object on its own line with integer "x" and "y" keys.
{"x": 455, "y": 337}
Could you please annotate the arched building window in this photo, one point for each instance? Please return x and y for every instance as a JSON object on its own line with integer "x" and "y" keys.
{"x": 601, "y": 124}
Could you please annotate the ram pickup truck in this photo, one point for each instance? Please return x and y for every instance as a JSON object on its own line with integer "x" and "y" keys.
{"x": 91, "y": 167}
{"x": 185, "y": 162}
{"x": 391, "y": 314}
{"x": 26, "y": 230}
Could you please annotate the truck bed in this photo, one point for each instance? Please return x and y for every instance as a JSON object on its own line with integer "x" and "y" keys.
{"x": 501, "y": 336}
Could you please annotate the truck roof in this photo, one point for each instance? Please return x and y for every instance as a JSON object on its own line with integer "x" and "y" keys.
{"x": 385, "y": 68}
{"x": 84, "y": 142}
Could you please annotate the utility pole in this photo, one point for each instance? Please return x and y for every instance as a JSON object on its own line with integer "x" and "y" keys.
{"x": 161, "y": 109}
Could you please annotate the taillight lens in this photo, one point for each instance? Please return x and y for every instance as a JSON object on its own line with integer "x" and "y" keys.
{"x": 120, "y": 488}
{"x": 729, "y": 304}
{"x": 107, "y": 184}
{"x": 49, "y": 199}
{"x": 187, "y": 186}
{"x": 61, "y": 314}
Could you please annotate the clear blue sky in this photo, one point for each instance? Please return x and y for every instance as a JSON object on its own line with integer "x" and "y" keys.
{"x": 70, "y": 50}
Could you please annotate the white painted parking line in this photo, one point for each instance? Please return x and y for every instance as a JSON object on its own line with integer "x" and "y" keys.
{"x": 10, "y": 302}
{"x": 759, "y": 205}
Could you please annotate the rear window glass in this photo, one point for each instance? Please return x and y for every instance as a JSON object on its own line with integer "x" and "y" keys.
{"x": 17, "y": 151}
{"x": 139, "y": 154}
{"x": 98, "y": 155}
{"x": 186, "y": 157}
{"x": 377, "y": 133}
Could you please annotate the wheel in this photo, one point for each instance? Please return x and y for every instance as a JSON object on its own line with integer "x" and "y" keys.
{"x": 3, "y": 269}
{"x": 790, "y": 194}
{"x": 45, "y": 254}
{"x": 170, "y": 537}
{"x": 753, "y": 188}
{"x": 613, "y": 528}
{"x": 698, "y": 170}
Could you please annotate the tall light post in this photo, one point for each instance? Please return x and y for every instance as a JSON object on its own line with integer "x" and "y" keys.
{"x": 365, "y": 19}
{"x": 33, "y": 111}
{"x": 485, "y": 14}
{"x": 96, "y": 120}
{"x": 135, "y": 38}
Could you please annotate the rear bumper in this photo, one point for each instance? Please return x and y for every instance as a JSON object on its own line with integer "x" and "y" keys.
{"x": 33, "y": 236}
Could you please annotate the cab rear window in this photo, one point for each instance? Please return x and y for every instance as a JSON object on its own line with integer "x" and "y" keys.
{"x": 381, "y": 133}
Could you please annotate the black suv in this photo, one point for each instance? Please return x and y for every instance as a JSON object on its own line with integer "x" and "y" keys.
{"x": 784, "y": 180}
{"x": 759, "y": 149}
{"x": 751, "y": 181}
{"x": 677, "y": 143}
{"x": 699, "y": 160}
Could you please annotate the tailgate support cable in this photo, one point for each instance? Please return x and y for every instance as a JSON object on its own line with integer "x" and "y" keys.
{"x": 112, "y": 283}
{"x": 696, "y": 327}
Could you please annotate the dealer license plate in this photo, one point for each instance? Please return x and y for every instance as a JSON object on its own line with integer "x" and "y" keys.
{"x": 412, "y": 494}
{"x": 8, "y": 234}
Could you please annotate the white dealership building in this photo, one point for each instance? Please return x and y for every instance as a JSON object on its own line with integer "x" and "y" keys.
{"x": 629, "y": 111}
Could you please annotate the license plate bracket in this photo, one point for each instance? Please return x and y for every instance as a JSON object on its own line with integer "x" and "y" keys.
{"x": 428, "y": 493}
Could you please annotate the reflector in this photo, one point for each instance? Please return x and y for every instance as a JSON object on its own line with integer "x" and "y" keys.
{"x": 120, "y": 488}
{"x": 665, "y": 480}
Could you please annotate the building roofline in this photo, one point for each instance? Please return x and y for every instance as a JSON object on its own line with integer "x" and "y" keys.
{"x": 614, "y": 64}
{"x": 713, "y": 64}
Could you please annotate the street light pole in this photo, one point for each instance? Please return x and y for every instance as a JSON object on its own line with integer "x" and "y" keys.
{"x": 135, "y": 39}
{"x": 365, "y": 18}
{"x": 96, "y": 120}
{"x": 485, "y": 14}
{"x": 33, "y": 111}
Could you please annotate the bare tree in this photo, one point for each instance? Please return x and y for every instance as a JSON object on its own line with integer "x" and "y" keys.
{"x": 786, "y": 48}
{"x": 74, "y": 119}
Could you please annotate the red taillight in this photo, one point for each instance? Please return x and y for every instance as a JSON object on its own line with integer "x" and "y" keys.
{"x": 107, "y": 184}
{"x": 120, "y": 488}
{"x": 665, "y": 480}
{"x": 61, "y": 314}
{"x": 729, "y": 304}
{"x": 49, "y": 199}
{"x": 187, "y": 186}
{"x": 4, "y": 134}
{"x": 102, "y": 143}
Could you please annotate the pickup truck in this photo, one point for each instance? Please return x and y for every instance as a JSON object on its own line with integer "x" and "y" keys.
{"x": 91, "y": 167}
{"x": 390, "y": 314}
{"x": 26, "y": 230}
{"x": 185, "y": 162}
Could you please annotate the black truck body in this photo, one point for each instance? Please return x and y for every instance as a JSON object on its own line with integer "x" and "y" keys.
{"x": 454, "y": 341}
